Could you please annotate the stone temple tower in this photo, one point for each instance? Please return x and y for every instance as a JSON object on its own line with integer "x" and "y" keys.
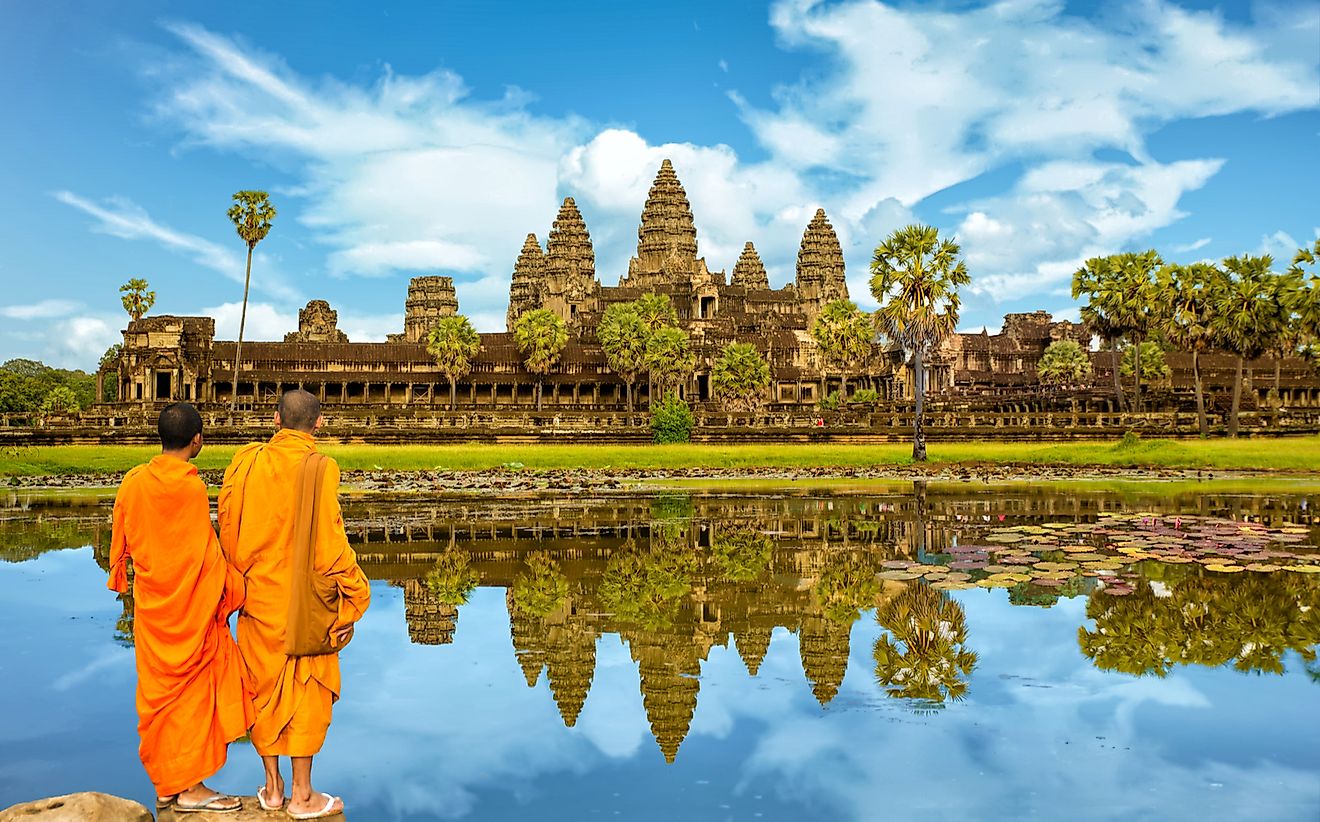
{"x": 569, "y": 283}
{"x": 820, "y": 274}
{"x": 749, "y": 271}
{"x": 528, "y": 279}
{"x": 429, "y": 299}
{"x": 666, "y": 238}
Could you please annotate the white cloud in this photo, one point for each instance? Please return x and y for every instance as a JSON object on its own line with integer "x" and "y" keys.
{"x": 1280, "y": 245}
{"x": 45, "y": 309}
{"x": 126, "y": 220}
{"x": 264, "y": 323}
{"x": 1195, "y": 245}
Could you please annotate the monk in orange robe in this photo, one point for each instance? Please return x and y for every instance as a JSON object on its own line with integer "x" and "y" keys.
{"x": 192, "y": 693}
{"x": 257, "y": 514}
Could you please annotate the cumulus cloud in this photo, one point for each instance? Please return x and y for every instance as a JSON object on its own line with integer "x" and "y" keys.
{"x": 265, "y": 322}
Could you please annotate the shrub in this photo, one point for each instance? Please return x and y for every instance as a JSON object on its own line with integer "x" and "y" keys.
{"x": 865, "y": 396}
{"x": 672, "y": 420}
{"x": 830, "y": 403}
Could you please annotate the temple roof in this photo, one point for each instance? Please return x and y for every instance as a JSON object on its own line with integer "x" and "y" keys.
{"x": 666, "y": 229}
{"x": 568, "y": 250}
{"x": 749, "y": 271}
{"x": 820, "y": 258}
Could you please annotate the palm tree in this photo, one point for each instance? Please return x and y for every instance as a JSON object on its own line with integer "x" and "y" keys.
{"x": 1308, "y": 298}
{"x": 1187, "y": 323}
{"x": 915, "y": 276}
{"x": 453, "y": 342}
{"x": 843, "y": 333}
{"x": 1063, "y": 363}
{"x": 622, "y": 335}
{"x": 740, "y": 376}
{"x": 669, "y": 357}
{"x": 138, "y": 298}
{"x": 252, "y": 215}
{"x": 1122, "y": 304}
{"x": 541, "y": 337}
{"x": 1098, "y": 280}
{"x": 656, "y": 312}
{"x": 1246, "y": 316}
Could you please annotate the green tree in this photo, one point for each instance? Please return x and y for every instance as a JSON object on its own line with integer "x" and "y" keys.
{"x": 843, "y": 334}
{"x": 656, "y": 312}
{"x": 1122, "y": 304}
{"x": 542, "y": 588}
{"x": 1246, "y": 317}
{"x": 740, "y": 555}
{"x": 740, "y": 376}
{"x": 252, "y": 215}
{"x": 452, "y": 343}
{"x": 138, "y": 298}
{"x": 1064, "y": 364}
{"x": 669, "y": 358}
{"x": 60, "y": 400}
{"x": 1304, "y": 268}
{"x": 1187, "y": 323}
{"x": 915, "y": 276}
{"x": 671, "y": 420}
{"x": 108, "y": 365}
{"x": 541, "y": 337}
{"x": 623, "y": 334}
{"x": 1152, "y": 362}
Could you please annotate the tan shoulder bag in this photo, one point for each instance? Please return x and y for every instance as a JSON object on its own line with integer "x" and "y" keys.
{"x": 313, "y": 599}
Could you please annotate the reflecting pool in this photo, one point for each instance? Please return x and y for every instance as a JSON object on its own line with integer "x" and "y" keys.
{"x": 1009, "y": 651}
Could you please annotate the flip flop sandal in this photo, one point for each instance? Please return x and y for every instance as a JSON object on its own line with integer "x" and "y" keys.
{"x": 208, "y": 805}
{"x": 321, "y": 814}
{"x": 261, "y": 800}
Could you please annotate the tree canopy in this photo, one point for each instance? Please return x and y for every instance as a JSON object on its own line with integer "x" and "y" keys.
{"x": 452, "y": 343}
{"x": 739, "y": 376}
{"x": 138, "y": 298}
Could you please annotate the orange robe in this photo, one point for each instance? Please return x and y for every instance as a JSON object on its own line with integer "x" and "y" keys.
{"x": 192, "y": 694}
{"x": 257, "y": 511}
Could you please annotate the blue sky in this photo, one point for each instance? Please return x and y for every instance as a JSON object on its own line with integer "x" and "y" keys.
{"x": 431, "y": 138}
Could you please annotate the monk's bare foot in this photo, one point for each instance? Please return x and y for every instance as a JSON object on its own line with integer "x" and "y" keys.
{"x": 200, "y": 797}
{"x": 314, "y": 805}
{"x": 271, "y": 795}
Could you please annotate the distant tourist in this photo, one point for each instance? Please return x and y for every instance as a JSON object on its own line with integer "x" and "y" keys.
{"x": 280, "y": 525}
{"x": 192, "y": 699}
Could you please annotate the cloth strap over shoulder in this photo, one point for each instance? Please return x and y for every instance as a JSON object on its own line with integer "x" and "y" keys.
{"x": 313, "y": 598}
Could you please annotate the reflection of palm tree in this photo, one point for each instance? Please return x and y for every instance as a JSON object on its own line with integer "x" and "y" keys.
{"x": 645, "y": 588}
{"x": 1250, "y": 620}
{"x": 542, "y": 588}
{"x": 926, "y": 657}
{"x": 740, "y": 556}
{"x": 846, "y": 587}
{"x": 452, "y": 579}
{"x": 124, "y": 625}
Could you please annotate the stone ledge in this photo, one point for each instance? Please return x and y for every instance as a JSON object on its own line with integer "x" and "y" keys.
{"x": 78, "y": 807}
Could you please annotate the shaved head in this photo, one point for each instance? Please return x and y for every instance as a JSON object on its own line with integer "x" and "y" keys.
{"x": 179, "y": 423}
{"x": 299, "y": 410}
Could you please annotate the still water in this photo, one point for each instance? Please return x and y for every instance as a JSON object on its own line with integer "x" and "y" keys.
{"x": 962, "y": 651}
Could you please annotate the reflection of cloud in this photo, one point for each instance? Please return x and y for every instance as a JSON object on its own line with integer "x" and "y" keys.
{"x": 107, "y": 659}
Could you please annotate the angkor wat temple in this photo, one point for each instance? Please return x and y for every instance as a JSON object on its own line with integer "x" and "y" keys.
{"x": 168, "y": 358}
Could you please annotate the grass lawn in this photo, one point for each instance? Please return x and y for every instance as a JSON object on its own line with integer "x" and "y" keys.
{"x": 1281, "y": 454}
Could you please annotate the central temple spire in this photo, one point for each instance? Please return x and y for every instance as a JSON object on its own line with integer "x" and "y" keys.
{"x": 666, "y": 237}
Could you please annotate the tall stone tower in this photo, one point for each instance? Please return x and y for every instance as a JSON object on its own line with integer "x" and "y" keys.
{"x": 570, "y": 284}
{"x": 429, "y": 299}
{"x": 666, "y": 238}
{"x": 528, "y": 279}
{"x": 749, "y": 271}
{"x": 820, "y": 274}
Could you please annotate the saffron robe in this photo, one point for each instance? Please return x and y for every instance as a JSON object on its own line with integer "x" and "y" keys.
{"x": 193, "y": 698}
{"x": 257, "y": 509}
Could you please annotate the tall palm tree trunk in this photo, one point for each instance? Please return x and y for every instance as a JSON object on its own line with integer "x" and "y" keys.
{"x": 629, "y": 387}
{"x": 918, "y": 423}
{"x": 238, "y": 350}
{"x": 1278, "y": 399}
{"x": 1136, "y": 374}
{"x": 538, "y": 395}
{"x": 1118, "y": 385}
{"x": 843, "y": 387}
{"x": 453, "y": 391}
{"x": 1201, "y": 422}
{"x": 1237, "y": 400}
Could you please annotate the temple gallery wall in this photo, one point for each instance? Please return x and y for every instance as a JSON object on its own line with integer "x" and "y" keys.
{"x": 166, "y": 358}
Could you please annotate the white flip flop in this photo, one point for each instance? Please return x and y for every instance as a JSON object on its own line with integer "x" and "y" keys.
{"x": 261, "y": 800}
{"x": 321, "y": 814}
